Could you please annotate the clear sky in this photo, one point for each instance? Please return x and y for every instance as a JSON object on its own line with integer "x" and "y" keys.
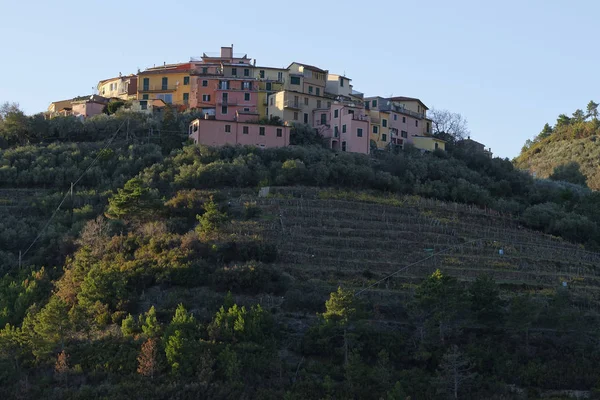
{"x": 508, "y": 66}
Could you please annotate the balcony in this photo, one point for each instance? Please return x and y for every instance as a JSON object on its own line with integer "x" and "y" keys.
{"x": 292, "y": 104}
{"x": 158, "y": 88}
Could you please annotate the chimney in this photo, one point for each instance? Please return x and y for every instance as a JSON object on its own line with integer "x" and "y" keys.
{"x": 120, "y": 75}
{"x": 164, "y": 63}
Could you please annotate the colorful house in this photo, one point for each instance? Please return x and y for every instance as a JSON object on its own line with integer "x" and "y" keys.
{"x": 428, "y": 143}
{"x": 270, "y": 81}
{"x": 345, "y": 125}
{"x": 61, "y": 107}
{"x": 86, "y": 107}
{"x": 244, "y": 130}
{"x": 397, "y": 120}
{"x": 122, "y": 87}
{"x": 170, "y": 83}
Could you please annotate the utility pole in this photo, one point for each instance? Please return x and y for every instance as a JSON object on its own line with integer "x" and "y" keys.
{"x": 72, "y": 203}
{"x": 20, "y": 258}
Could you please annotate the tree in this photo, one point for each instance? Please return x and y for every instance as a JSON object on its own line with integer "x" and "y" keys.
{"x": 486, "y": 305}
{"x": 454, "y": 372}
{"x": 546, "y": 131}
{"x": 563, "y": 120}
{"x": 128, "y": 327}
{"x": 592, "y": 110}
{"x": 578, "y": 115}
{"x": 440, "y": 297}
{"x": 212, "y": 219}
{"x": 133, "y": 200}
{"x": 14, "y": 124}
{"x": 148, "y": 358}
{"x": 114, "y": 105}
{"x": 446, "y": 123}
{"x": 150, "y": 325}
{"x": 343, "y": 308}
{"x": 61, "y": 367}
{"x": 52, "y": 323}
{"x": 305, "y": 135}
{"x": 569, "y": 172}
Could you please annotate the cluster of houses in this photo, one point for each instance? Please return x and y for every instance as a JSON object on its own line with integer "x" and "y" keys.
{"x": 245, "y": 103}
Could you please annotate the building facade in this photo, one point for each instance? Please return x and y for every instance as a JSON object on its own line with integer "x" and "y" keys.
{"x": 241, "y": 131}
{"x": 170, "y": 83}
{"x": 122, "y": 87}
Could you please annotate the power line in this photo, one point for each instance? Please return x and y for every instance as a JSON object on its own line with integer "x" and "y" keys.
{"x": 22, "y": 254}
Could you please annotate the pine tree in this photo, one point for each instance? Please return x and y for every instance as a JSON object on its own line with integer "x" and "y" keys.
{"x": 150, "y": 326}
{"x": 455, "y": 372}
{"x": 61, "y": 367}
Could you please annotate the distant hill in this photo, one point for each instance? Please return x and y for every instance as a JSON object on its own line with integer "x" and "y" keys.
{"x": 571, "y": 139}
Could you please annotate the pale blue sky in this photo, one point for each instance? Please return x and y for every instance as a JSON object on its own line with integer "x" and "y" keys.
{"x": 508, "y": 66}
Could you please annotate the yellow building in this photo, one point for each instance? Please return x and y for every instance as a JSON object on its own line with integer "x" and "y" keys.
{"x": 122, "y": 87}
{"x": 270, "y": 80}
{"x": 428, "y": 143}
{"x": 170, "y": 83}
{"x": 380, "y": 128}
{"x": 55, "y": 108}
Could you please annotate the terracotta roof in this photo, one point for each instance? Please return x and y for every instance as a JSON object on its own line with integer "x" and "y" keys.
{"x": 402, "y": 98}
{"x": 118, "y": 77}
{"x": 309, "y": 67}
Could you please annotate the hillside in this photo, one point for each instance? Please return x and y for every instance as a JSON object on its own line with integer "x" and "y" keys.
{"x": 188, "y": 284}
{"x": 569, "y": 140}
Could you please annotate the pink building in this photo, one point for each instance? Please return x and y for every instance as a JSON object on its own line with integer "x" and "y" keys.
{"x": 345, "y": 125}
{"x": 244, "y": 130}
{"x": 88, "y": 106}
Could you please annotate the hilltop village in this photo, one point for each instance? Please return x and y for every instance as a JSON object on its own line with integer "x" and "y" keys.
{"x": 241, "y": 102}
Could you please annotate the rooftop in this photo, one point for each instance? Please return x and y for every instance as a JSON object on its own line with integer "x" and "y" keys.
{"x": 309, "y": 67}
{"x": 402, "y": 98}
{"x": 168, "y": 68}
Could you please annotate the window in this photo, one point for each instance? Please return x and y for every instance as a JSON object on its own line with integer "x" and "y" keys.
{"x": 246, "y": 72}
{"x": 145, "y": 96}
{"x": 384, "y": 137}
{"x": 404, "y": 134}
{"x": 262, "y": 74}
{"x": 336, "y": 131}
{"x": 261, "y": 131}
{"x": 323, "y": 119}
{"x": 245, "y": 130}
{"x": 280, "y": 76}
{"x": 167, "y": 98}
{"x": 384, "y": 123}
{"x": 234, "y": 71}
{"x": 374, "y": 103}
{"x": 436, "y": 145}
{"x": 295, "y": 116}
{"x": 344, "y": 128}
{"x": 228, "y": 128}
{"x": 328, "y": 104}
{"x": 186, "y": 98}
{"x": 205, "y": 70}
{"x": 375, "y": 129}
{"x": 295, "y": 80}
{"x": 359, "y": 132}
{"x": 269, "y": 86}
{"x": 305, "y": 118}
{"x": 310, "y": 89}
{"x": 206, "y": 97}
{"x": 341, "y": 82}
{"x": 343, "y": 146}
{"x": 247, "y": 109}
{"x": 318, "y": 91}
{"x": 416, "y": 122}
{"x": 246, "y": 96}
{"x": 223, "y": 109}
{"x": 395, "y": 117}
{"x": 205, "y": 83}
{"x": 403, "y": 120}
{"x": 186, "y": 80}
{"x": 306, "y": 101}
{"x": 247, "y": 85}
{"x": 279, "y": 132}
{"x": 143, "y": 105}
{"x": 318, "y": 103}
{"x": 271, "y": 100}
{"x": 146, "y": 84}
{"x": 428, "y": 128}
{"x": 336, "y": 113}
{"x": 165, "y": 83}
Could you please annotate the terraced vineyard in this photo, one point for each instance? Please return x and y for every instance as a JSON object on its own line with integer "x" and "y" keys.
{"x": 358, "y": 243}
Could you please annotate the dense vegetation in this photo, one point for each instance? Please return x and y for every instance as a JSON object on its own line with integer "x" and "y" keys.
{"x": 156, "y": 281}
{"x": 571, "y": 140}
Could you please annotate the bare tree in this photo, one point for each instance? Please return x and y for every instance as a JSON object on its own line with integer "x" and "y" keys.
{"x": 445, "y": 122}
{"x": 454, "y": 372}
{"x": 147, "y": 359}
